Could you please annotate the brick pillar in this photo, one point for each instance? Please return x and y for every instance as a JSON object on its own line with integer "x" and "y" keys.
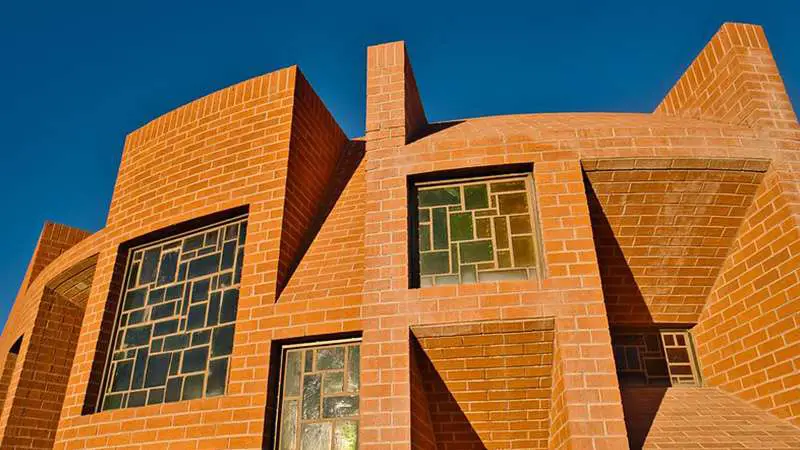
{"x": 734, "y": 80}
{"x": 394, "y": 117}
{"x": 44, "y": 366}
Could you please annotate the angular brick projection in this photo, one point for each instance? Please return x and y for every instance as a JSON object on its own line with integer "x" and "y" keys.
{"x": 748, "y": 337}
{"x": 704, "y": 418}
{"x": 735, "y": 80}
{"x": 683, "y": 224}
{"x": 662, "y": 228}
{"x": 487, "y": 385}
{"x": 317, "y": 146}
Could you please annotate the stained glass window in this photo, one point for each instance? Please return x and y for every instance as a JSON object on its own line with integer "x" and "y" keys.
{"x": 476, "y": 230}
{"x": 319, "y": 397}
{"x": 175, "y": 323}
{"x": 655, "y": 357}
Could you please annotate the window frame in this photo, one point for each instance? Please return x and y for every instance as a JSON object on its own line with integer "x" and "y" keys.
{"x": 313, "y": 342}
{"x": 175, "y": 232}
{"x": 466, "y": 175}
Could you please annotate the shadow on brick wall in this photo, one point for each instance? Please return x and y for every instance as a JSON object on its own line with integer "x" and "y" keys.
{"x": 640, "y": 406}
{"x": 451, "y": 427}
{"x": 625, "y": 304}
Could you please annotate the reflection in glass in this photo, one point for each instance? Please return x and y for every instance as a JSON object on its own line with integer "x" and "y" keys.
{"x": 319, "y": 399}
{"x": 476, "y": 230}
{"x": 174, "y": 331}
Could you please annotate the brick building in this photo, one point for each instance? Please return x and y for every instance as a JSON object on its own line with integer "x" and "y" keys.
{"x": 530, "y": 281}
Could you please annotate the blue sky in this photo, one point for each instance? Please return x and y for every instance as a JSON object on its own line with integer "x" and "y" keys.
{"x": 76, "y": 77}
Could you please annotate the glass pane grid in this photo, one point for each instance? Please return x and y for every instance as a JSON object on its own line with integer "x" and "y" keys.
{"x": 680, "y": 358}
{"x": 175, "y": 323}
{"x": 476, "y": 230}
{"x": 320, "y": 397}
{"x": 655, "y": 357}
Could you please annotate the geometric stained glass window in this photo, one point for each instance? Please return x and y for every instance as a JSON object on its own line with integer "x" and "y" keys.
{"x": 319, "y": 393}
{"x": 174, "y": 327}
{"x": 653, "y": 357}
{"x": 476, "y": 230}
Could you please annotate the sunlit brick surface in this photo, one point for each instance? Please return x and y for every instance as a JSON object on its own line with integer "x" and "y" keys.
{"x": 686, "y": 217}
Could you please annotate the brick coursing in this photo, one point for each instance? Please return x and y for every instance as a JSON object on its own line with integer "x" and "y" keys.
{"x": 327, "y": 252}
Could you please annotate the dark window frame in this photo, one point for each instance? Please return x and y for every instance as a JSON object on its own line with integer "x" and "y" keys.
{"x": 412, "y": 208}
{"x": 100, "y": 375}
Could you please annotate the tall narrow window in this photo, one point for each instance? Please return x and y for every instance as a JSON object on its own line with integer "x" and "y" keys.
{"x": 175, "y": 321}
{"x": 655, "y": 357}
{"x": 681, "y": 361}
{"x": 475, "y": 230}
{"x": 319, "y": 393}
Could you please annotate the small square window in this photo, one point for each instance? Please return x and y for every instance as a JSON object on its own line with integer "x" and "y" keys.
{"x": 174, "y": 327}
{"x": 655, "y": 357}
{"x": 318, "y": 396}
{"x": 473, "y": 230}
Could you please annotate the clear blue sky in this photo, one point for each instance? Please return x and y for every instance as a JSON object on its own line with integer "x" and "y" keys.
{"x": 77, "y": 76}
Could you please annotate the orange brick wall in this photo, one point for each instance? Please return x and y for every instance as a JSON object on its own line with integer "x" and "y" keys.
{"x": 5, "y": 377}
{"x": 558, "y": 436}
{"x": 422, "y": 432}
{"x": 248, "y": 146}
{"x": 570, "y": 291}
{"x": 54, "y": 240}
{"x": 317, "y": 145}
{"x": 487, "y": 384}
{"x": 734, "y": 80}
{"x": 704, "y": 418}
{"x": 747, "y": 337}
{"x": 662, "y": 229}
{"x": 42, "y": 381}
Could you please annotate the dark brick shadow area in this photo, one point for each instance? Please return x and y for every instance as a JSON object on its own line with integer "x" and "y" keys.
{"x": 624, "y": 301}
{"x": 640, "y": 406}
{"x": 451, "y": 427}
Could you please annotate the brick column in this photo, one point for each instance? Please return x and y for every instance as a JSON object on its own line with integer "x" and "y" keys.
{"x": 394, "y": 115}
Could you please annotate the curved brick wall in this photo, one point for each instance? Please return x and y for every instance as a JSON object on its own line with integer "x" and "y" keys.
{"x": 326, "y": 252}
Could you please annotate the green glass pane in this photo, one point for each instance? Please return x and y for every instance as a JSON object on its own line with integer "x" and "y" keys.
{"x": 440, "y": 240}
{"x": 311, "y": 396}
{"x": 513, "y": 203}
{"x": 424, "y": 238}
{"x": 332, "y": 382}
{"x": 504, "y": 258}
{"x": 424, "y": 215}
{"x": 454, "y": 208}
{"x": 501, "y": 232}
{"x": 316, "y": 436}
{"x": 483, "y": 228}
{"x": 476, "y": 251}
{"x": 353, "y": 368}
{"x": 485, "y": 266}
{"x": 468, "y": 274}
{"x": 520, "y": 224}
{"x": 476, "y": 197}
{"x": 434, "y": 262}
{"x": 288, "y": 425}
{"x": 485, "y": 213}
{"x": 330, "y": 358}
{"x": 503, "y": 275}
{"x": 439, "y": 196}
{"x": 447, "y": 279}
{"x": 524, "y": 252}
{"x": 506, "y": 186}
{"x": 291, "y": 378}
{"x": 346, "y": 435}
{"x": 425, "y": 281}
{"x": 461, "y": 227}
{"x": 339, "y": 406}
{"x": 453, "y": 259}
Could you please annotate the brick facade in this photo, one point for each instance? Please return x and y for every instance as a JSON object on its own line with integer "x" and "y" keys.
{"x": 685, "y": 218}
